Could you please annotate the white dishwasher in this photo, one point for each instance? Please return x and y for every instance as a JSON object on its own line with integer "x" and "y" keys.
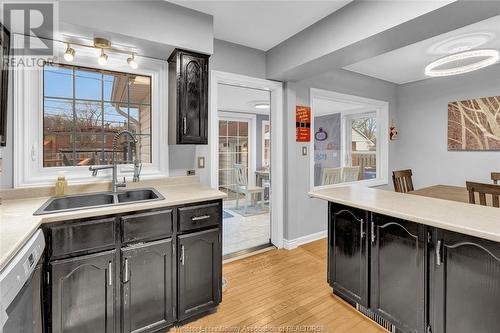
{"x": 21, "y": 289}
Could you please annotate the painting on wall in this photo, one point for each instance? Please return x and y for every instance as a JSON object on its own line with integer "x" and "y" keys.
{"x": 474, "y": 124}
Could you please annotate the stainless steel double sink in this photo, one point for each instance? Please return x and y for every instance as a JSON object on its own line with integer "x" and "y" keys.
{"x": 97, "y": 200}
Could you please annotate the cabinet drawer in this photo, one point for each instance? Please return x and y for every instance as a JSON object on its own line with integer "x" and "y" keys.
{"x": 147, "y": 226}
{"x": 199, "y": 216}
{"x": 82, "y": 237}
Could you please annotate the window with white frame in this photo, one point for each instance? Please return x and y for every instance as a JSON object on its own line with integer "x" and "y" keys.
{"x": 66, "y": 116}
{"x": 348, "y": 141}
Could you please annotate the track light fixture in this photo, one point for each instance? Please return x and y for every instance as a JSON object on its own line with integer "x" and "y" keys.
{"x": 131, "y": 61}
{"x": 103, "y": 58}
{"x": 69, "y": 54}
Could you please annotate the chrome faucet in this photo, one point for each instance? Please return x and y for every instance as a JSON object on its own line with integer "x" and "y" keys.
{"x": 137, "y": 162}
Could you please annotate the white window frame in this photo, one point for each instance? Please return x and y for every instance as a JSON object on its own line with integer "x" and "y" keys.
{"x": 251, "y": 120}
{"x": 28, "y": 120}
{"x": 367, "y": 105}
{"x": 264, "y": 124}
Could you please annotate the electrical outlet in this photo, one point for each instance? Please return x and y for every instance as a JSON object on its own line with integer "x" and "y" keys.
{"x": 191, "y": 172}
{"x": 304, "y": 150}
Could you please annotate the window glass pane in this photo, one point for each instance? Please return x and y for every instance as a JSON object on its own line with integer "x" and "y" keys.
{"x": 88, "y": 85}
{"x": 222, "y": 128}
{"x": 140, "y": 119}
{"x": 115, "y": 117}
{"x": 115, "y": 87}
{"x": 79, "y": 130}
{"x": 57, "y": 115}
{"x": 140, "y": 89}
{"x": 232, "y": 128}
{"x": 88, "y": 116}
{"x": 57, "y": 150}
{"x": 243, "y": 129}
{"x": 327, "y": 145}
{"x": 58, "y": 81}
{"x": 364, "y": 147}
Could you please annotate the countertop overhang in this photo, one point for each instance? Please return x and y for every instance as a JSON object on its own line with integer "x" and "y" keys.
{"x": 17, "y": 222}
{"x": 468, "y": 219}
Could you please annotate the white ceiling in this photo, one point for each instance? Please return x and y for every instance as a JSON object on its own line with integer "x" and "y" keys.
{"x": 241, "y": 99}
{"x": 407, "y": 64}
{"x": 325, "y": 106}
{"x": 262, "y": 24}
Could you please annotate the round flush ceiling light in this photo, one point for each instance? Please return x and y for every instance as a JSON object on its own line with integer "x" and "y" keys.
{"x": 262, "y": 105}
{"x": 461, "y": 43}
{"x": 463, "y": 62}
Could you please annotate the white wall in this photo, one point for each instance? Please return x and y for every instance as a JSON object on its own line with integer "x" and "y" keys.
{"x": 152, "y": 20}
{"x": 305, "y": 216}
{"x": 423, "y": 120}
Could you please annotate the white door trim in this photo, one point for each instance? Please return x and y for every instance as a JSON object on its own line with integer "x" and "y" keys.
{"x": 251, "y": 120}
{"x": 277, "y": 143}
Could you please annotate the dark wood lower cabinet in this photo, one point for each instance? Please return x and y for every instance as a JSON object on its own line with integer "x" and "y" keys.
{"x": 348, "y": 271}
{"x": 465, "y": 284}
{"x": 420, "y": 279}
{"x": 147, "y": 286}
{"x": 199, "y": 272}
{"x": 83, "y": 293}
{"x": 398, "y": 272}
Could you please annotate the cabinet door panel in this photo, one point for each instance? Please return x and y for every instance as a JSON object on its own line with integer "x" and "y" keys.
{"x": 398, "y": 272}
{"x": 200, "y": 272}
{"x": 466, "y": 288}
{"x": 348, "y": 266}
{"x": 193, "y": 98}
{"x": 83, "y": 293}
{"x": 147, "y": 286}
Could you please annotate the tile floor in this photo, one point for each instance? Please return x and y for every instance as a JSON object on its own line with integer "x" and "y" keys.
{"x": 240, "y": 232}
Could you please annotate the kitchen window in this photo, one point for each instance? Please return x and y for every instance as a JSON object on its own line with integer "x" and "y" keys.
{"x": 83, "y": 109}
{"x": 349, "y": 140}
{"x": 67, "y": 114}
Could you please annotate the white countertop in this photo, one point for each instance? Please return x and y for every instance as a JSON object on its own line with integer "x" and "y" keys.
{"x": 17, "y": 222}
{"x": 473, "y": 220}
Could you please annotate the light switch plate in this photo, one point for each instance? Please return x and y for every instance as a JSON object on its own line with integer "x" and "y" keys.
{"x": 201, "y": 162}
{"x": 304, "y": 150}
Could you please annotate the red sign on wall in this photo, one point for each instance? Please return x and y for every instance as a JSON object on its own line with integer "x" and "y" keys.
{"x": 302, "y": 123}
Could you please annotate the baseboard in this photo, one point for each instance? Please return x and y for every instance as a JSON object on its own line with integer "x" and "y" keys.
{"x": 290, "y": 244}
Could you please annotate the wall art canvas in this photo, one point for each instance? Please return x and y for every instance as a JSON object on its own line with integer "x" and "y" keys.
{"x": 474, "y": 124}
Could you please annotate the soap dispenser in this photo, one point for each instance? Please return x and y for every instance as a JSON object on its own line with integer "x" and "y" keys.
{"x": 61, "y": 184}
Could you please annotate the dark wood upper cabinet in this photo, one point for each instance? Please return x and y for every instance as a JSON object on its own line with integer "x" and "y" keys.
{"x": 348, "y": 256}
{"x": 4, "y": 81}
{"x": 188, "y": 97}
{"x": 398, "y": 272}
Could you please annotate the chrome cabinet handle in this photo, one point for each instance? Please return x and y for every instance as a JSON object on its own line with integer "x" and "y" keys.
{"x": 438, "y": 253}
{"x": 362, "y": 226}
{"x": 110, "y": 273}
{"x": 126, "y": 274}
{"x": 184, "y": 125}
{"x": 373, "y": 232}
{"x": 200, "y": 218}
{"x": 182, "y": 255}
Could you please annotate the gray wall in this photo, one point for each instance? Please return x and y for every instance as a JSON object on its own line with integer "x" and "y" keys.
{"x": 423, "y": 120}
{"x": 303, "y": 215}
{"x": 234, "y": 58}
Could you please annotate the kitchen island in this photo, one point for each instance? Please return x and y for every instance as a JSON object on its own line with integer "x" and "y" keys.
{"x": 412, "y": 263}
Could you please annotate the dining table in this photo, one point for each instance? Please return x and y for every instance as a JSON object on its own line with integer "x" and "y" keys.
{"x": 448, "y": 192}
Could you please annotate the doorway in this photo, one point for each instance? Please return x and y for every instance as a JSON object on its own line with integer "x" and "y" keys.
{"x": 243, "y": 167}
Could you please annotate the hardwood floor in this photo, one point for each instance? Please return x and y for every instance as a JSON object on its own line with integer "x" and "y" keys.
{"x": 281, "y": 289}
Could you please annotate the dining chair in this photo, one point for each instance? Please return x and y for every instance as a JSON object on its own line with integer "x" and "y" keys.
{"x": 331, "y": 176}
{"x": 350, "y": 174}
{"x": 495, "y": 177}
{"x": 483, "y": 190}
{"x": 402, "y": 180}
{"x": 248, "y": 190}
